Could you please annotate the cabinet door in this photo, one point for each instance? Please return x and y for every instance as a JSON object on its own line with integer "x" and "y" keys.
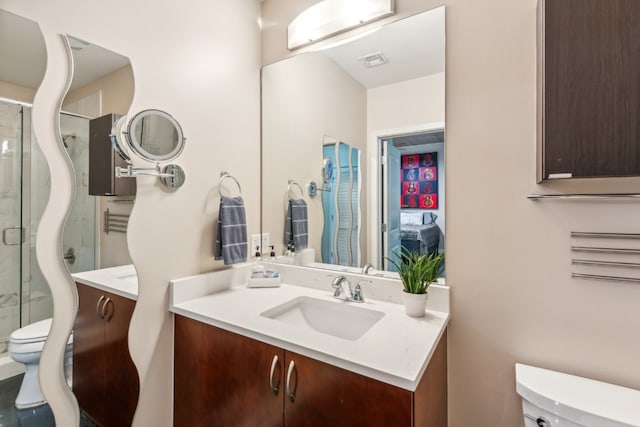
{"x": 590, "y": 89}
{"x": 89, "y": 359}
{"x": 121, "y": 376}
{"x": 103, "y": 160}
{"x": 223, "y": 379}
{"x": 325, "y": 395}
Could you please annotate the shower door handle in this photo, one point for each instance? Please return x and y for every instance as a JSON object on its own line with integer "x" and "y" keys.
{"x": 6, "y": 230}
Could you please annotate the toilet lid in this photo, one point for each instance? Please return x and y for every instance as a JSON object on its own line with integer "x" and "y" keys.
{"x": 581, "y": 400}
{"x": 37, "y": 331}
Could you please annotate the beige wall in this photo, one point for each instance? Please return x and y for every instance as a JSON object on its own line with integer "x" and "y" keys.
{"x": 207, "y": 76}
{"x": 508, "y": 259}
{"x": 305, "y": 99}
{"x": 16, "y": 93}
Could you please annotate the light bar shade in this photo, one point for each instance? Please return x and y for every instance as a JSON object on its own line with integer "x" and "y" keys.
{"x": 330, "y": 17}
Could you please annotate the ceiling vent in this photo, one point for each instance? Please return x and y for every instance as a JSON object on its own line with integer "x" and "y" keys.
{"x": 371, "y": 60}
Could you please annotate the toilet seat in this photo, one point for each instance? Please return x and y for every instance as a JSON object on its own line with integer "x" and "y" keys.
{"x": 31, "y": 338}
{"x": 34, "y": 332}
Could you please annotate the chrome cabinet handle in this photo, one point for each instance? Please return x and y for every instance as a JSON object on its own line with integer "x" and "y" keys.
{"x": 274, "y": 388}
{"x": 98, "y": 309}
{"x": 290, "y": 393}
{"x": 105, "y": 313}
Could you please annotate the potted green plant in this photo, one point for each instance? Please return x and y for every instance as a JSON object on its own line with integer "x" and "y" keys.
{"x": 417, "y": 271}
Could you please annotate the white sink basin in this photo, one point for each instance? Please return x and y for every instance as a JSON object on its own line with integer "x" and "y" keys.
{"x": 342, "y": 320}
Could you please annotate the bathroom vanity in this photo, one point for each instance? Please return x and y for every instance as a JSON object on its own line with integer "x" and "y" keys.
{"x": 294, "y": 355}
{"x": 105, "y": 380}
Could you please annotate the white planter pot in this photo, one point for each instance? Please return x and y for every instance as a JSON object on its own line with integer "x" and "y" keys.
{"x": 414, "y": 304}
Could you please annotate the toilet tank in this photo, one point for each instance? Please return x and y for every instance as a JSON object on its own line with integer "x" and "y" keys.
{"x": 551, "y": 398}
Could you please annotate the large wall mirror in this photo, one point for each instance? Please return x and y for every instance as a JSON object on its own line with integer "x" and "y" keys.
{"x": 94, "y": 236}
{"x": 102, "y": 84}
{"x": 374, "y": 108}
{"x": 101, "y": 87}
{"x": 25, "y": 297}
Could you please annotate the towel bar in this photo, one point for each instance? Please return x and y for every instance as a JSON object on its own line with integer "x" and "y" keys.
{"x": 605, "y": 250}
{"x": 535, "y": 197}
{"x": 115, "y": 222}
{"x": 605, "y": 235}
{"x": 609, "y": 278}
{"x": 605, "y": 263}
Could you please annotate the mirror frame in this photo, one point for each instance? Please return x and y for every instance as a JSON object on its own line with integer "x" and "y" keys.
{"x": 136, "y": 146}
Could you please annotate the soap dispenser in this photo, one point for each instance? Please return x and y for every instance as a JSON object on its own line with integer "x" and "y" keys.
{"x": 270, "y": 270}
{"x": 258, "y": 270}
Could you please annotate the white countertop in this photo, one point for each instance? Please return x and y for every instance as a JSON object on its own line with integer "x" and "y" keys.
{"x": 396, "y": 350}
{"x": 121, "y": 280}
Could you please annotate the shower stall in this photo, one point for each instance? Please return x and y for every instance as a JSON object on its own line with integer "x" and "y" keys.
{"x": 24, "y": 192}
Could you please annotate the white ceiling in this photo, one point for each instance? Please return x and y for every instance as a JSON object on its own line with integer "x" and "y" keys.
{"x": 414, "y": 47}
{"x": 23, "y": 55}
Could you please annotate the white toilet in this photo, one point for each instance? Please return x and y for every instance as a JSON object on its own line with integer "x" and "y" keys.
{"x": 552, "y": 398}
{"x": 25, "y": 346}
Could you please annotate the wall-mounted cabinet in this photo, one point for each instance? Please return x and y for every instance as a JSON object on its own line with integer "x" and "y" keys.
{"x": 103, "y": 159}
{"x": 224, "y": 379}
{"x": 589, "y": 88}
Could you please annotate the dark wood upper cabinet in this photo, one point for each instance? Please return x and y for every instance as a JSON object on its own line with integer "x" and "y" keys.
{"x": 103, "y": 159}
{"x": 589, "y": 88}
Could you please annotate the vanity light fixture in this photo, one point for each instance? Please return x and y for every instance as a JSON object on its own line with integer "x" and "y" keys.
{"x": 331, "y": 17}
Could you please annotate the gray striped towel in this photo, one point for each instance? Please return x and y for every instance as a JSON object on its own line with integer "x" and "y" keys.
{"x": 296, "y": 228}
{"x": 231, "y": 239}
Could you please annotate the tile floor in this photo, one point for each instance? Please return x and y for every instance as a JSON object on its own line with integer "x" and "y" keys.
{"x": 35, "y": 417}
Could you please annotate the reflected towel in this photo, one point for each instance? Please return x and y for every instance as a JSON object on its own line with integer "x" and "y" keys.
{"x": 296, "y": 226}
{"x": 231, "y": 240}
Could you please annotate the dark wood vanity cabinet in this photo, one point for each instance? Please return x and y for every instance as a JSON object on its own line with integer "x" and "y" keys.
{"x": 103, "y": 159}
{"x": 225, "y": 379}
{"x": 105, "y": 380}
{"x": 589, "y": 90}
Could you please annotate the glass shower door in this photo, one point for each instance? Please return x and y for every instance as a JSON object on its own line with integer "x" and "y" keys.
{"x": 11, "y": 126}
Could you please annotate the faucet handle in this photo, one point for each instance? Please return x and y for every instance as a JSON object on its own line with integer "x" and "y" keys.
{"x": 336, "y": 284}
{"x": 358, "y": 295}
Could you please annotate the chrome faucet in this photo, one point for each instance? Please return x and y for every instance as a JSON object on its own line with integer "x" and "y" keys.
{"x": 343, "y": 290}
{"x": 367, "y": 267}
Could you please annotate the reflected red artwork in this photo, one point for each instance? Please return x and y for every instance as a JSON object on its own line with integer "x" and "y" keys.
{"x": 419, "y": 181}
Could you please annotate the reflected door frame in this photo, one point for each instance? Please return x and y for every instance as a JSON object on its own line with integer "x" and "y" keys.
{"x": 374, "y": 180}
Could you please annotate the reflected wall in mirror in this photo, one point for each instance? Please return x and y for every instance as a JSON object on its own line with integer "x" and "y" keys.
{"x": 94, "y": 236}
{"x": 25, "y": 297}
{"x": 101, "y": 91}
{"x": 383, "y": 95}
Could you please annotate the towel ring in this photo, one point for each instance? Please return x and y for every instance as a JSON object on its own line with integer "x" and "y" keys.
{"x": 224, "y": 175}
{"x": 291, "y": 183}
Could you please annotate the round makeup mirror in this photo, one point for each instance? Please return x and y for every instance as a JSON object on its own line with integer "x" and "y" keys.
{"x": 155, "y": 135}
{"x": 117, "y": 142}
